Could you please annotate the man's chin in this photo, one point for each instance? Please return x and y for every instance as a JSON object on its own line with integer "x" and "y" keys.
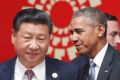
{"x": 82, "y": 52}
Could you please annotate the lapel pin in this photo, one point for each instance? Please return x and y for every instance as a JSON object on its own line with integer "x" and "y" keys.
{"x": 106, "y": 70}
{"x": 54, "y": 75}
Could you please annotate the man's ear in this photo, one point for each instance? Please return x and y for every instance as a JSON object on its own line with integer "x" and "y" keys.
{"x": 13, "y": 37}
{"x": 100, "y": 30}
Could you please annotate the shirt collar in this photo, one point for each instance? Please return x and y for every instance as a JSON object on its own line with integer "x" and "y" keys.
{"x": 38, "y": 70}
{"x": 19, "y": 69}
{"x": 99, "y": 57}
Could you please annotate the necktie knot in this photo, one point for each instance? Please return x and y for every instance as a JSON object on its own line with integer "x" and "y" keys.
{"x": 29, "y": 74}
{"x": 92, "y": 64}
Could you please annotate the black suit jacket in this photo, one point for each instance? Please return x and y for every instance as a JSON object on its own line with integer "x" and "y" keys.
{"x": 81, "y": 65}
{"x": 110, "y": 67}
{"x": 52, "y": 66}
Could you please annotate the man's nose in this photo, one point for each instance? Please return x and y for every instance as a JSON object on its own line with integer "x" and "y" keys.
{"x": 34, "y": 45}
{"x": 117, "y": 39}
{"x": 75, "y": 37}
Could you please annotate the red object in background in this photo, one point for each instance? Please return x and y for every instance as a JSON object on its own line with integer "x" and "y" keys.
{"x": 8, "y": 8}
{"x": 61, "y": 14}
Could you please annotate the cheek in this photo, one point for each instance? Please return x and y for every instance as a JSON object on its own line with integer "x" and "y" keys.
{"x": 20, "y": 45}
{"x": 88, "y": 37}
{"x": 110, "y": 38}
{"x": 44, "y": 46}
{"x": 91, "y": 40}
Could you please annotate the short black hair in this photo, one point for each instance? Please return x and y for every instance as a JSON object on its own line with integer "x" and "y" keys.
{"x": 110, "y": 17}
{"x": 32, "y": 15}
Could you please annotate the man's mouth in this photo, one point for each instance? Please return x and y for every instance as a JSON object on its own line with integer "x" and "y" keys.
{"x": 79, "y": 47}
{"x": 33, "y": 53}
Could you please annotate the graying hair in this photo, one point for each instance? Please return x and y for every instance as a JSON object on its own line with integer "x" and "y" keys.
{"x": 95, "y": 16}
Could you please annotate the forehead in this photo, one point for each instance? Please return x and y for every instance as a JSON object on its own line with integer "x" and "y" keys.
{"x": 30, "y": 27}
{"x": 77, "y": 20}
{"x": 113, "y": 25}
{"x": 80, "y": 22}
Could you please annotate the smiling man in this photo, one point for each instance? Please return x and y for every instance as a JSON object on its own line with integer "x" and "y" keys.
{"x": 31, "y": 35}
{"x": 89, "y": 29}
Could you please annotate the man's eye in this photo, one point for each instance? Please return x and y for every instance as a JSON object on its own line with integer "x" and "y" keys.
{"x": 27, "y": 37}
{"x": 41, "y": 38}
{"x": 114, "y": 34}
{"x": 79, "y": 32}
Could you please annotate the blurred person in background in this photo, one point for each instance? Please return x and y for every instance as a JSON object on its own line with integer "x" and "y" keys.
{"x": 112, "y": 30}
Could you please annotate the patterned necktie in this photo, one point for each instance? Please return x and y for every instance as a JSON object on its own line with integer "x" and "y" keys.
{"x": 91, "y": 75}
{"x": 29, "y": 74}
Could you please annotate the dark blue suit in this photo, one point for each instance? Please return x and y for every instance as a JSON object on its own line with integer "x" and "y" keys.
{"x": 81, "y": 64}
{"x": 110, "y": 67}
{"x": 52, "y": 66}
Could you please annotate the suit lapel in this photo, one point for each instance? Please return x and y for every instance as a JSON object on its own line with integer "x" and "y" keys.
{"x": 8, "y": 70}
{"x": 51, "y": 69}
{"x": 106, "y": 65}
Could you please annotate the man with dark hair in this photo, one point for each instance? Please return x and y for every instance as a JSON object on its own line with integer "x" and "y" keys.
{"x": 89, "y": 29}
{"x": 112, "y": 30}
{"x": 31, "y": 35}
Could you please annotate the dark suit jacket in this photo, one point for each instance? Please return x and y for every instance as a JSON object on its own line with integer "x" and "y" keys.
{"x": 110, "y": 68}
{"x": 81, "y": 64}
{"x": 52, "y": 66}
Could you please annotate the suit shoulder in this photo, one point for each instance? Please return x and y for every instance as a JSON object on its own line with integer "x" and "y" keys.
{"x": 81, "y": 60}
{"x": 116, "y": 55}
{"x": 55, "y": 62}
{"x": 8, "y": 63}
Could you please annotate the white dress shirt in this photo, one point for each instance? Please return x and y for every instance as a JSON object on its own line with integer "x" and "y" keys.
{"x": 39, "y": 71}
{"x": 98, "y": 60}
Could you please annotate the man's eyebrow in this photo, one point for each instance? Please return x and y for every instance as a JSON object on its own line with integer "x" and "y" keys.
{"x": 78, "y": 29}
{"x": 115, "y": 32}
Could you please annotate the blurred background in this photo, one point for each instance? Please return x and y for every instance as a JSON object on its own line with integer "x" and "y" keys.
{"x": 61, "y": 12}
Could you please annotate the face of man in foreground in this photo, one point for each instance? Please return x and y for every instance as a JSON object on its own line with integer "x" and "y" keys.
{"x": 31, "y": 43}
